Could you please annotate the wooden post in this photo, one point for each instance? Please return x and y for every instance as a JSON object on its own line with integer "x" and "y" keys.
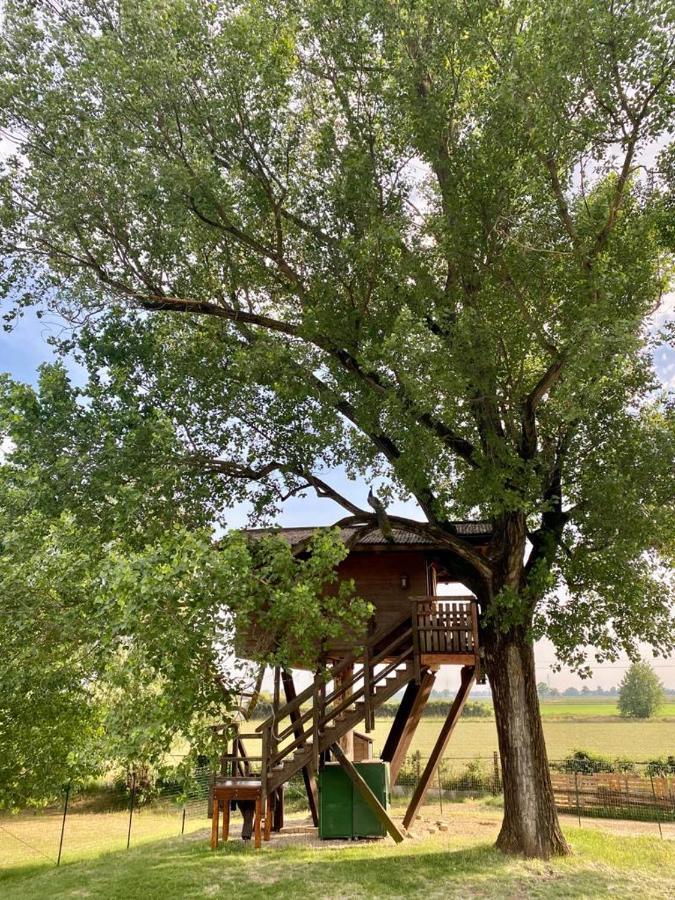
{"x": 278, "y": 809}
{"x": 347, "y": 739}
{"x": 406, "y": 721}
{"x": 267, "y": 750}
{"x": 367, "y": 794}
{"x": 215, "y": 806}
{"x": 308, "y": 772}
{"x": 416, "y": 641}
{"x": 367, "y": 687}
{"x": 317, "y": 711}
{"x": 468, "y": 678}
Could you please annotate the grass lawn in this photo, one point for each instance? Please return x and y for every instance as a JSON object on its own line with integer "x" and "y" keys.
{"x": 458, "y": 863}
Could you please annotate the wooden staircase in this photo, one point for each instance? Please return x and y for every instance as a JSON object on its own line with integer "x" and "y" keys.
{"x": 296, "y": 736}
{"x": 342, "y": 697}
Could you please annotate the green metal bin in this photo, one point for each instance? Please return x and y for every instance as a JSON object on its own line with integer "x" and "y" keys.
{"x": 343, "y": 813}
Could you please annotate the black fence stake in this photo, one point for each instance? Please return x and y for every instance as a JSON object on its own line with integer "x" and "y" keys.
{"x": 656, "y": 805}
{"x": 576, "y": 788}
{"x": 63, "y": 823}
{"x": 182, "y": 823}
{"x": 131, "y": 806}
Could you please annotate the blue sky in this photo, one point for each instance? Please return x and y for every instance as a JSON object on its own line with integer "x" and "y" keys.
{"x": 24, "y": 348}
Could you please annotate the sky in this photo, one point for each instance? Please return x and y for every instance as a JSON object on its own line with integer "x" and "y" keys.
{"x": 24, "y": 348}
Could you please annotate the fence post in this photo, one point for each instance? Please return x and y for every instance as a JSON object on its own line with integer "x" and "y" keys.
{"x": 182, "y": 822}
{"x": 63, "y": 823}
{"x": 656, "y": 805}
{"x": 576, "y": 788}
{"x": 131, "y": 806}
{"x": 495, "y": 773}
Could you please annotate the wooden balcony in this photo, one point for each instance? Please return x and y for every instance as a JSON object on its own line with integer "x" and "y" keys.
{"x": 445, "y": 631}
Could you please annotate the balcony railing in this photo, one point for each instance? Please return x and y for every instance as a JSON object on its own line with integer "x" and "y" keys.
{"x": 445, "y": 630}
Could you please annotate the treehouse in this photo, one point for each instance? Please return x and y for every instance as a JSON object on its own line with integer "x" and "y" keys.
{"x": 415, "y": 629}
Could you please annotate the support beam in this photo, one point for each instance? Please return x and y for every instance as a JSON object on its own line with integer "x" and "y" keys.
{"x": 347, "y": 739}
{"x": 406, "y": 721}
{"x": 468, "y": 678}
{"x": 308, "y": 773}
{"x": 367, "y": 794}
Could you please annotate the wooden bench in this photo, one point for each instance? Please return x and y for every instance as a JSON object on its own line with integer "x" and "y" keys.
{"x": 225, "y": 790}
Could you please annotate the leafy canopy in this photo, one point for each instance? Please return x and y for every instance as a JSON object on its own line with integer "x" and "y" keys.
{"x": 413, "y": 240}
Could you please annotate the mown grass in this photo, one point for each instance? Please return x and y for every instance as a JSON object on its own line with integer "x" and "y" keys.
{"x": 478, "y": 737}
{"x": 441, "y": 866}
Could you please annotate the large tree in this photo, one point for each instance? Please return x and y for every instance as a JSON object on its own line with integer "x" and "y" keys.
{"x": 415, "y": 240}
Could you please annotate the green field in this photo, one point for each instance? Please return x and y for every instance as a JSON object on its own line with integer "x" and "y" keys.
{"x": 583, "y": 707}
{"x": 615, "y": 737}
{"x": 458, "y": 863}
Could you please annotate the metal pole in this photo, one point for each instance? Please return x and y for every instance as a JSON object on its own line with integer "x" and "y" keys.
{"x": 63, "y": 823}
{"x": 131, "y": 806}
{"x": 656, "y": 805}
{"x": 182, "y": 824}
{"x": 576, "y": 788}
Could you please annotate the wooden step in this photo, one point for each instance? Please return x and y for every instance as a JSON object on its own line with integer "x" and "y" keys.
{"x": 348, "y": 720}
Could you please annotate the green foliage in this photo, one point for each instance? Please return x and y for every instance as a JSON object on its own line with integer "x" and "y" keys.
{"x": 587, "y": 763}
{"x": 117, "y": 634}
{"x": 438, "y": 709}
{"x": 640, "y": 692}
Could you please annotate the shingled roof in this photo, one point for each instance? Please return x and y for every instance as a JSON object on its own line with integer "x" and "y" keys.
{"x": 401, "y": 536}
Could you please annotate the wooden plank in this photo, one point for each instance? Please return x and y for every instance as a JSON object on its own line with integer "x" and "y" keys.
{"x": 449, "y": 659}
{"x": 308, "y": 773}
{"x": 405, "y": 722}
{"x": 468, "y": 678}
{"x": 367, "y": 794}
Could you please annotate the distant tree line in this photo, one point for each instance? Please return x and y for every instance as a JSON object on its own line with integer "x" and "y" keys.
{"x": 434, "y": 708}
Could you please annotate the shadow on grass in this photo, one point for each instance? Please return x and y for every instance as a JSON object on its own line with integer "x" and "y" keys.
{"x": 187, "y": 868}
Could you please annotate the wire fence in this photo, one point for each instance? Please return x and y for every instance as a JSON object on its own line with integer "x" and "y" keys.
{"x": 121, "y": 815}
{"x": 103, "y": 818}
{"x": 639, "y": 791}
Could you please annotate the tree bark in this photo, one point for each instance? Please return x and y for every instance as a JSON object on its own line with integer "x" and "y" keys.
{"x": 530, "y": 825}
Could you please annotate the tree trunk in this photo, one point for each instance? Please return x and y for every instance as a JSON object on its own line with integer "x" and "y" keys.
{"x": 530, "y": 825}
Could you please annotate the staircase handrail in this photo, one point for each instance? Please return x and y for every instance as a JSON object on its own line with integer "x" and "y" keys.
{"x": 336, "y": 669}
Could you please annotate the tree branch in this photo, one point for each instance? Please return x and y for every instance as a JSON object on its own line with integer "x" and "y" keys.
{"x": 249, "y": 473}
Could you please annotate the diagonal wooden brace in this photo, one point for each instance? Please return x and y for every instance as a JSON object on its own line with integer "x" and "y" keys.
{"x": 367, "y": 794}
{"x": 468, "y": 677}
